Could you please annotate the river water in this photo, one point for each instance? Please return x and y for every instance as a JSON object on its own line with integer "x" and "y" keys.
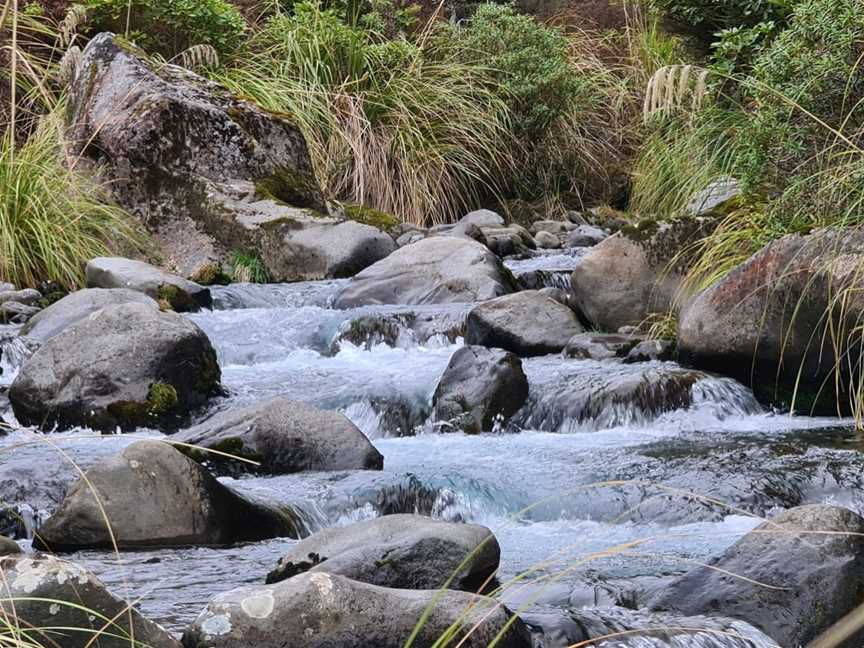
{"x": 611, "y": 478}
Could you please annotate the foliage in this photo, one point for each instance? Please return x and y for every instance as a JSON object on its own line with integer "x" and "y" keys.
{"x": 53, "y": 216}
{"x": 248, "y": 267}
{"x": 710, "y": 16}
{"x": 168, "y": 27}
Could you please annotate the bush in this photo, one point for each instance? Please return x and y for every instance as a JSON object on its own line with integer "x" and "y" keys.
{"x": 53, "y": 218}
{"x": 168, "y": 27}
{"x": 710, "y": 16}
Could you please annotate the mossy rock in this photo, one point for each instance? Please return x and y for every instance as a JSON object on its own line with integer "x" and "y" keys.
{"x": 171, "y": 297}
{"x": 370, "y": 216}
{"x": 289, "y": 187}
{"x": 211, "y": 274}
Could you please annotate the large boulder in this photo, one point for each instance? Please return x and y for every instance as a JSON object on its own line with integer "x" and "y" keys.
{"x": 282, "y": 436}
{"x": 480, "y": 388}
{"x": 153, "y": 495}
{"x": 636, "y": 272}
{"x": 527, "y": 323}
{"x": 172, "y": 291}
{"x": 58, "y": 603}
{"x": 78, "y": 306}
{"x": 436, "y": 270}
{"x": 123, "y": 366}
{"x": 319, "y": 610}
{"x": 208, "y": 173}
{"x": 405, "y": 551}
{"x": 792, "y": 577}
{"x": 780, "y": 321}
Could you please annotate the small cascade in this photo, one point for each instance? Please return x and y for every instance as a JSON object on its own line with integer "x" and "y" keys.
{"x": 252, "y": 295}
{"x": 13, "y": 352}
{"x": 546, "y": 269}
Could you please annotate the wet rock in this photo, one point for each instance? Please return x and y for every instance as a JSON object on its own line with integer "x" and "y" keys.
{"x": 483, "y": 218}
{"x": 404, "y": 551}
{"x": 586, "y": 236}
{"x": 480, "y": 388}
{"x": 283, "y": 436}
{"x": 153, "y": 495}
{"x": 62, "y": 604}
{"x": 774, "y": 321}
{"x": 78, "y": 306}
{"x": 403, "y": 328}
{"x": 648, "y": 350}
{"x": 123, "y": 366}
{"x": 636, "y": 272}
{"x": 547, "y": 241}
{"x": 318, "y": 610}
{"x": 8, "y": 546}
{"x": 170, "y": 290}
{"x": 207, "y": 172}
{"x": 16, "y": 313}
{"x": 509, "y": 241}
{"x": 436, "y": 270}
{"x": 525, "y": 323}
{"x": 792, "y": 577}
{"x": 27, "y": 297}
{"x": 600, "y": 346}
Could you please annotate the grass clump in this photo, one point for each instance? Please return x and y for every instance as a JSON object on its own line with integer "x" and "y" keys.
{"x": 247, "y": 267}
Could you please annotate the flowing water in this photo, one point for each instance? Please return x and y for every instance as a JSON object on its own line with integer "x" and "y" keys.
{"x": 674, "y": 463}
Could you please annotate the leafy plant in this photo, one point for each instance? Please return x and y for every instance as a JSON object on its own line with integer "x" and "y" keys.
{"x": 711, "y": 16}
{"x": 248, "y": 267}
{"x": 168, "y": 27}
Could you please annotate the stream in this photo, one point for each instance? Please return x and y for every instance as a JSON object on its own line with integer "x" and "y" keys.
{"x": 609, "y": 480}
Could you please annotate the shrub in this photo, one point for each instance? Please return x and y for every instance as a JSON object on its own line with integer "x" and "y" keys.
{"x": 710, "y": 16}
{"x": 168, "y": 27}
{"x": 53, "y": 217}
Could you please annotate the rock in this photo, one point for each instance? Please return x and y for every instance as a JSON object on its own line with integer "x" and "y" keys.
{"x": 208, "y": 172}
{"x": 508, "y": 241}
{"x": 318, "y": 610}
{"x": 792, "y": 577}
{"x": 62, "y": 604}
{"x": 410, "y": 237}
{"x": 648, "y": 350}
{"x": 436, "y": 270}
{"x": 8, "y": 546}
{"x": 468, "y": 230}
{"x": 716, "y": 195}
{"x": 170, "y": 290}
{"x": 404, "y": 551}
{"x": 153, "y": 496}
{"x": 78, "y": 306}
{"x": 123, "y": 366}
{"x": 284, "y": 436}
{"x": 600, "y": 346}
{"x": 586, "y": 236}
{"x": 636, "y": 272}
{"x": 16, "y": 313}
{"x": 27, "y": 297}
{"x": 550, "y": 226}
{"x": 6, "y": 287}
{"x": 525, "y": 323}
{"x": 483, "y": 218}
{"x": 480, "y": 388}
{"x": 547, "y": 241}
{"x": 765, "y": 323}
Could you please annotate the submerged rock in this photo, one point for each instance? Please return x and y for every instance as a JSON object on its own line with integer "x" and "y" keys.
{"x": 636, "y": 272}
{"x": 319, "y": 610}
{"x": 780, "y": 321}
{"x": 171, "y": 291}
{"x": 792, "y": 577}
{"x": 405, "y": 551}
{"x": 480, "y": 388}
{"x": 123, "y": 366}
{"x": 436, "y": 270}
{"x": 153, "y": 495}
{"x": 283, "y": 436}
{"x": 78, "y": 306}
{"x": 62, "y": 604}
{"x": 526, "y": 323}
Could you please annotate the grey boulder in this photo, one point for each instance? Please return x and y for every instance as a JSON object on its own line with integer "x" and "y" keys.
{"x": 153, "y": 495}
{"x": 62, "y": 604}
{"x": 483, "y": 218}
{"x": 792, "y": 577}
{"x": 526, "y": 323}
{"x": 404, "y": 551}
{"x": 436, "y": 270}
{"x": 170, "y": 290}
{"x": 547, "y": 240}
{"x": 600, "y": 346}
{"x": 651, "y": 350}
{"x": 77, "y": 306}
{"x": 16, "y": 313}
{"x": 480, "y": 388}
{"x": 586, "y": 236}
{"x": 123, "y": 366}
{"x": 320, "y": 610}
{"x": 282, "y": 436}
{"x": 27, "y": 296}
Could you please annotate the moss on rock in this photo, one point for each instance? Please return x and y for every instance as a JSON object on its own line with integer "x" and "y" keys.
{"x": 290, "y": 187}
{"x": 371, "y": 216}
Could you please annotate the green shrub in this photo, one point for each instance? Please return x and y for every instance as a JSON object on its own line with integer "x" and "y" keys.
{"x": 710, "y": 16}
{"x": 168, "y": 27}
{"x": 54, "y": 218}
